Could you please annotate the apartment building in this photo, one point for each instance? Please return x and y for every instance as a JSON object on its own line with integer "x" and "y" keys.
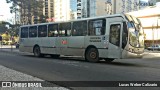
{"x": 48, "y": 9}
{"x": 92, "y": 8}
{"x": 61, "y": 10}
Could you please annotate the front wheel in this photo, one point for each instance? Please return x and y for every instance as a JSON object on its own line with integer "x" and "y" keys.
{"x": 92, "y": 55}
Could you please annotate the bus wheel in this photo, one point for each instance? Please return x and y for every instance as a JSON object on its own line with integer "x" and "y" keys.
{"x": 54, "y": 56}
{"x": 108, "y": 60}
{"x": 37, "y": 52}
{"x": 92, "y": 55}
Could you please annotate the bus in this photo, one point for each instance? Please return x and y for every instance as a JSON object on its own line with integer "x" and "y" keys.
{"x": 98, "y": 38}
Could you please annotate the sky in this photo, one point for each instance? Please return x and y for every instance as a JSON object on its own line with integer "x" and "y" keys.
{"x": 5, "y": 14}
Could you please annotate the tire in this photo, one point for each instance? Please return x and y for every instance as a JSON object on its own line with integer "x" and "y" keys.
{"x": 92, "y": 55}
{"x": 37, "y": 52}
{"x": 54, "y": 56}
{"x": 108, "y": 60}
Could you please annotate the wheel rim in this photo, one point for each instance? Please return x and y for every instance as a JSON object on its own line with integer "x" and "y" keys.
{"x": 93, "y": 55}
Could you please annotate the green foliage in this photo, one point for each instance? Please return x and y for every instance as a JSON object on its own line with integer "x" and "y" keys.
{"x": 3, "y": 27}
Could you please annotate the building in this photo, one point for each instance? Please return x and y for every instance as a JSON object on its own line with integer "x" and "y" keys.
{"x": 153, "y": 2}
{"x": 79, "y": 9}
{"x": 62, "y": 10}
{"x": 92, "y": 8}
{"x": 73, "y": 15}
{"x": 48, "y": 10}
{"x": 123, "y": 6}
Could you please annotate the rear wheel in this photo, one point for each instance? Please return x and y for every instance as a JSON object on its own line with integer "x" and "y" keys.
{"x": 92, "y": 55}
{"x": 37, "y": 52}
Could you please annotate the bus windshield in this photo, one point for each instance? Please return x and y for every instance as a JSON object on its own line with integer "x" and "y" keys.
{"x": 136, "y": 33}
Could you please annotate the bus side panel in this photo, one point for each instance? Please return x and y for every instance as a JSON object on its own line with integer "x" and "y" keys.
{"x": 61, "y": 45}
{"x": 100, "y": 42}
{"x": 30, "y": 44}
{"x": 48, "y": 45}
{"x": 76, "y": 45}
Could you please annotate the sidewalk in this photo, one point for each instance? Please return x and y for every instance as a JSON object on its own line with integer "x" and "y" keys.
{"x": 9, "y": 75}
{"x": 151, "y": 54}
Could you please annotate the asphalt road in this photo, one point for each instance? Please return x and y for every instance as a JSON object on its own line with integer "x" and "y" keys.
{"x": 73, "y": 69}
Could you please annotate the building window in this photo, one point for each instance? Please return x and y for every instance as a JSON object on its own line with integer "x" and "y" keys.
{"x": 64, "y": 29}
{"x": 24, "y": 32}
{"x": 79, "y": 28}
{"x": 52, "y": 30}
{"x": 42, "y": 31}
{"x": 97, "y": 27}
{"x": 33, "y": 31}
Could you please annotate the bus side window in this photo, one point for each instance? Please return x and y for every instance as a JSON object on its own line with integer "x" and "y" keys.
{"x": 33, "y": 31}
{"x": 97, "y": 27}
{"x": 24, "y": 32}
{"x": 52, "y": 30}
{"x": 42, "y": 31}
{"x": 65, "y": 29}
{"x": 79, "y": 28}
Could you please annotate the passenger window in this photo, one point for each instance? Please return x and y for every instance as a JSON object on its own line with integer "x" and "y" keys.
{"x": 97, "y": 27}
{"x": 114, "y": 36}
{"x": 33, "y": 31}
{"x": 64, "y": 29}
{"x": 42, "y": 31}
{"x": 52, "y": 30}
{"x": 24, "y": 32}
{"x": 79, "y": 28}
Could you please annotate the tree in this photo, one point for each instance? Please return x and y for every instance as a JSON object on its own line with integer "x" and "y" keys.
{"x": 3, "y": 27}
{"x": 28, "y": 9}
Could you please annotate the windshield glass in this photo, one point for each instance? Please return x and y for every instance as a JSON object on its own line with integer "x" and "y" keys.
{"x": 136, "y": 33}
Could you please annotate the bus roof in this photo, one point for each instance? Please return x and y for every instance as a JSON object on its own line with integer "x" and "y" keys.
{"x": 106, "y": 16}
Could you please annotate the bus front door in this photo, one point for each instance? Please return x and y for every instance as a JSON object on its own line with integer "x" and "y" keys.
{"x": 114, "y": 48}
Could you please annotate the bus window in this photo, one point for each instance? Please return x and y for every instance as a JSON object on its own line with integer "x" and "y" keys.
{"x": 64, "y": 29}
{"x": 42, "y": 31}
{"x": 114, "y": 37}
{"x": 79, "y": 28}
{"x": 33, "y": 31}
{"x": 52, "y": 30}
{"x": 97, "y": 27}
{"x": 24, "y": 32}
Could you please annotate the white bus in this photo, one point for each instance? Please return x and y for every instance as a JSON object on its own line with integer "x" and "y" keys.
{"x": 108, "y": 38}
